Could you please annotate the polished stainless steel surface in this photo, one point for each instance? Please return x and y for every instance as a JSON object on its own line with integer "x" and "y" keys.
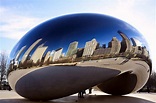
{"x": 74, "y": 52}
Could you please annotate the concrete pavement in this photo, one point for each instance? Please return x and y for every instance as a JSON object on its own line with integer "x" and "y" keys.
{"x": 95, "y": 97}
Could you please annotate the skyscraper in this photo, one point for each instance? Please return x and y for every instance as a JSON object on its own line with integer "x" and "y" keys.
{"x": 137, "y": 49}
{"x": 26, "y": 54}
{"x": 57, "y": 53}
{"x": 125, "y": 43}
{"x": 72, "y": 49}
{"x": 38, "y": 54}
{"x": 145, "y": 52}
{"x": 115, "y": 45}
{"x": 90, "y": 46}
{"x": 19, "y": 53}
{"x": 135, "y": 42}
{"x": 47, "y": 57}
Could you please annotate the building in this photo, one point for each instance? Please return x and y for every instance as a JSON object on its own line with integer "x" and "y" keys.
{"x": 145, "y": 52}
{"x": 125, "y": 43}
{"x": 79, "y": 52}
{"x": 47, "y": 57}
{"x": 57, "y": 54}
{"x": 26, "y": 54}
{"x": 135, "y": 42}
{"x": 72, "y": 49}
{"x": 90, "y": 46}
{"x": 38, "y": 54}
{"x": 115, "y": 46}
{"x": 102, "y": 51}
{"x": 19, "y": 53}
{"x": 136, "y": 48}
{"x": 104, "y": 46}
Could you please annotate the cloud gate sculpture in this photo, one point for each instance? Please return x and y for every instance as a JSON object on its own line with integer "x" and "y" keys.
{"x": 74, "y": 52}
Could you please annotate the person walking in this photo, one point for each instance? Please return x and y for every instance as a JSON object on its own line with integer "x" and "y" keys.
{"x": 81, "y": 94}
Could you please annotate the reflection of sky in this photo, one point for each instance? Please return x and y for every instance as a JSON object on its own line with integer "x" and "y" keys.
{"x": 61, "y": 31}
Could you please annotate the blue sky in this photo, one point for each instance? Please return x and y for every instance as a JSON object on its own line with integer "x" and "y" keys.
{"x": 18, "y": 16}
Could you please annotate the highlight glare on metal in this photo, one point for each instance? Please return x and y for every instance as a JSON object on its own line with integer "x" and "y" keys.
{"x": 74, "y": 52}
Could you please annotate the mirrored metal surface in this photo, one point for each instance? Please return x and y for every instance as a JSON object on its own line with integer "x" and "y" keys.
{"x": 79, "y": 41}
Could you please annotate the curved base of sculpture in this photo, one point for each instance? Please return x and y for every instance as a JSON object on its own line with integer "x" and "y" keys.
{"x": 56, "y": 81}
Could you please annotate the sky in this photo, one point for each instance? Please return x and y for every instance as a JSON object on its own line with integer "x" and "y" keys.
{"x": 17, "y": 17}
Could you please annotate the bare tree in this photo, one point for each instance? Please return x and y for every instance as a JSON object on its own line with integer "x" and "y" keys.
{"x": 150, "y": 86}
{"x": 3, "y": 62}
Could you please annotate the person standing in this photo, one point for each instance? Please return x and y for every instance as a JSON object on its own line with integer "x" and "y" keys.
{"x": 81, "y": 94}
{"x": 90, "y": 90}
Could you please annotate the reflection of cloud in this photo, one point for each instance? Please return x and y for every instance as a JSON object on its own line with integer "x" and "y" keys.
{"x": 129, "y": 27}
{"x": 15, "y": 26}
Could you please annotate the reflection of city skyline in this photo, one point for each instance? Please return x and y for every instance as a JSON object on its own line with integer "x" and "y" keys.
{"x": 91, "y": 48}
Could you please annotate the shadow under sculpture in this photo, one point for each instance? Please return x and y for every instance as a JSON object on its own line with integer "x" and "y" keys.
{"x": 74, "y": 52}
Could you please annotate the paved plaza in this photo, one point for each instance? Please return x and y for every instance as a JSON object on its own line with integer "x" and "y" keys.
{"x": 95, "y": 97}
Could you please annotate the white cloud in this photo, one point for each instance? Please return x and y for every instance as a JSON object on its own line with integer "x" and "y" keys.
{"x": 2, "y": 10}
{"x": 14, "y": 26}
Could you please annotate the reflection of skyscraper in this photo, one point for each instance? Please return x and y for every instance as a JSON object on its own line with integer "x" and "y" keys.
{"x": 72, "y": 48}
{"x": 115, "y": 45}
{"x": 90, "y": 47}
{"x": 104, "y": 46}
{"x": 47, "y": 57}
{"x": 135, "y": 42}
{"x": 57, "y": 53}
{"x": 26, "y": 54}
{"x": 79, "y": 52}
{"x": 137, "y": 49}
{"x": 145, "y": 52}
{"x": 125, "y": 44}
{"x": 102, "y": 51}
{"x": 38, "y": 54}
{"x": 19, "y": 53}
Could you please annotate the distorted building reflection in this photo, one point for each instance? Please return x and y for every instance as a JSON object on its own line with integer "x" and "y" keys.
{"x": 37, "y": 55}
{"x": 114, "y": 45}
{"x": 92, "y": 49}
{"x": 46, "y": 60}
{"x": 57, "y": 54}
{"x": 125, "y": 43}
{"x": 89, "y": 48}
{"x": 72, "y": 49}
{"x": 26, "y": 54}
{"x": 19, "y": 53}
